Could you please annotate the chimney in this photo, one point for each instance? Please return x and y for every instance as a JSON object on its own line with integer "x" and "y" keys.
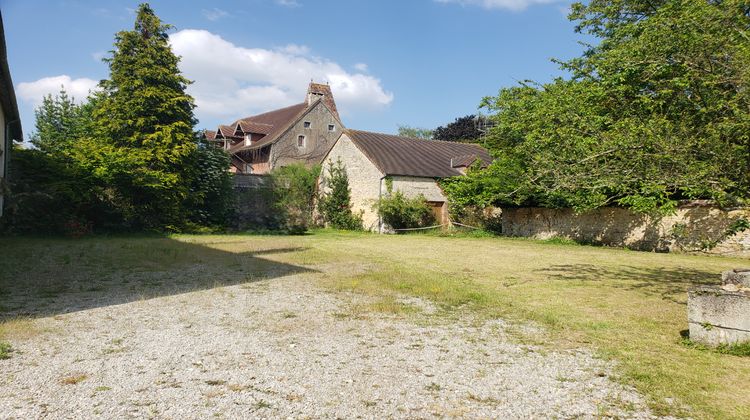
{"x": 320, "y": 91}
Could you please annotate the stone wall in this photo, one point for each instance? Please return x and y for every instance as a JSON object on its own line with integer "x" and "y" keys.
{"x": 365, "y": 180}
{"x": 696, "y": 227}
{"x": 253, "y": 202}
{"x": 318, "y": 139}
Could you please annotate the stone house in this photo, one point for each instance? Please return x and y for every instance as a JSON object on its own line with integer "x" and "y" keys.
{"x": 301, "y": 133}
{"x": 378, "y": 162}
{"x": 9, "y": 117}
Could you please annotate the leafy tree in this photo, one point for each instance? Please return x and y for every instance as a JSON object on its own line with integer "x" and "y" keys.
{"x": 462, "y": 129}
{"x": 656, "y": 112}
{"x": 414, "y": 132}
{"x": 335, "y": 205}
{"x": 294, "y": 189}
{"x": 144, "y": 126}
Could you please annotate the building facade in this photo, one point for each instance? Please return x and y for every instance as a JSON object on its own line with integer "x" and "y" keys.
{"x": 379, "y": 164}
{"x": 9, "y": 118}
{"x": 301, "y": 133}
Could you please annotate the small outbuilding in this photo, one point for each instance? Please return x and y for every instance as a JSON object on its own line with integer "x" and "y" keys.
{"x": 375, "y": 162}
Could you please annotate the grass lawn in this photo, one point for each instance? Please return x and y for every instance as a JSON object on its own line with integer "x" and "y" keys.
{"x": 629, "y": 306}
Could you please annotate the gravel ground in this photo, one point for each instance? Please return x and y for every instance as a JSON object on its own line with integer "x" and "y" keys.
{"x": 283, "y": 348}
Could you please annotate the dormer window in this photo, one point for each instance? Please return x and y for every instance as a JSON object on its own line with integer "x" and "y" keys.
{"x": 248, "y": 139}
{"x": 301, "y": 141}
{"x": 331, "y": 127}
{"x": 308, "y": 124}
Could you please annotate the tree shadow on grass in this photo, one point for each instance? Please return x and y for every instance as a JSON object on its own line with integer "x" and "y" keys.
{"x": 43, "y": 277}
{"x": 668, "y": 283}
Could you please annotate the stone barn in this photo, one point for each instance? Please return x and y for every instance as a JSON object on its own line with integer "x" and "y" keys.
{"x": 412, "y": 166}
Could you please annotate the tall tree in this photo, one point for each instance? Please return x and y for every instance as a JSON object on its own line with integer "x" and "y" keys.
{"x": 147, "y": 120}
{"x": 657, "y": 111}
{"x": 462, "y": 129}
{"x": 59, "y": 122}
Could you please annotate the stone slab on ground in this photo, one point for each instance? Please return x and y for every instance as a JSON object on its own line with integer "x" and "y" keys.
{"x": 717, "y": 316}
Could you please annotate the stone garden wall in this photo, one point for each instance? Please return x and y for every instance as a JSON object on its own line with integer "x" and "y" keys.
{"x": 696, "y": 227}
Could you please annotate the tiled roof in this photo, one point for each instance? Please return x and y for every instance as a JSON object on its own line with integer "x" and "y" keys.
{"x": 396, "y": 155}
{"x": 255, "y": 127}
{"x": 210, "y": 134}
{"x": 325, "y": 91}
{"x": 226, "y": 130}
{"x": 463, "y": 161}
{"x": 279, "y": 119}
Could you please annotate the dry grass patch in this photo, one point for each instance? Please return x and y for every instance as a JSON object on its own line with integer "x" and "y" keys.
{"x": 74, "y": 379}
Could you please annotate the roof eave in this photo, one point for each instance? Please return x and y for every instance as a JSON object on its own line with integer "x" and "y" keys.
{"x": 8, "y": 101}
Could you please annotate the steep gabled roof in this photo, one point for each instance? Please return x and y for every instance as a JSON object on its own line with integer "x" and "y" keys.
{"x": 255, "y": 127}
{"x": 210, "y": 134}
{"x": 324, "y": 91}
{"x": 396, "y": 155}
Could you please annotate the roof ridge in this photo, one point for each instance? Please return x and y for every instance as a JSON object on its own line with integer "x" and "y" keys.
{"x": 413, "y": 138}
{"x": 272, "y": 111}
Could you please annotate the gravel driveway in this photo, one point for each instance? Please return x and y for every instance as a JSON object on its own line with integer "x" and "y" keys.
{"x": 283, "y": 348}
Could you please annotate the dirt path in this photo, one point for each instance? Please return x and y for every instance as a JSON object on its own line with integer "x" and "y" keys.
{"x": 282, "y": 348}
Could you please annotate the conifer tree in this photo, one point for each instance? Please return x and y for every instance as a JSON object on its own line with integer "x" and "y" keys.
{"x": 146, "y": 119}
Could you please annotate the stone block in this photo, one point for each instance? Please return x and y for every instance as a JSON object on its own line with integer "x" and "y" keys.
{"x": 738, "y": 276}
{"x": 717, "y": 316}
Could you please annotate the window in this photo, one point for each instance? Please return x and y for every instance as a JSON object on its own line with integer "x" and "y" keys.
{"x": 300, "y": 141}
{"x": 331, "y": 127}
{"x": 308, "y": 124}
{"x": 248, "y": 168}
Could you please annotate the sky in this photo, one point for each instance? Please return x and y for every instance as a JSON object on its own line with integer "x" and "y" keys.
{"x": 420, "y": 63}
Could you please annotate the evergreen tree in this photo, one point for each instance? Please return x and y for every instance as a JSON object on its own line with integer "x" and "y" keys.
{"x": 145, "y": 120}
{"x": 336, "y": 205}
{"x": 59, "y": 122}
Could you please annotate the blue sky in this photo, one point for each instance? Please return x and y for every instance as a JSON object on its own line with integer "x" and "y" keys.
{"x": 415, "y": 62}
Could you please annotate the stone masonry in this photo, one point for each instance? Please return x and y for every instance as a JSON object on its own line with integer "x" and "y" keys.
{"x": 721, "y": 314}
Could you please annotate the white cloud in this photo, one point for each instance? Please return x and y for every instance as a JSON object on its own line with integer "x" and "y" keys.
{"x": 288, "y": 3}
{"x": 34, "y": 92}
{"x": 515, "y": 5}
{"x": 233, "y": 81}
{"x": 214, "y": 14}
{"x": 294, "y": 49}
{"x": 361, "y": 67}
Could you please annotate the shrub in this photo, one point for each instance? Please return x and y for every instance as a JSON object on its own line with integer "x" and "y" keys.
{"x": 293, "y": 189}
{"x": 400, "y": 212}
{"x": 335, "y": 206}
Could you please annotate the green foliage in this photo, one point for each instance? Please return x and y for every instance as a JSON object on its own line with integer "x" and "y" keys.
{"x": 400, "y": 212}
{"x": 125, "y": 159}
{"x": 211, "y": 199}
{"x": 5, "y": 350}
{"x": 294, "y": 189}
{"x": 59, "y": 122}
{"x": 144, "y": 126}
{"x": 414, "y": 132}
{"x": 53, "y": 196}
{"x": 656, "y": 112}
{"x": 335, "y": 204}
